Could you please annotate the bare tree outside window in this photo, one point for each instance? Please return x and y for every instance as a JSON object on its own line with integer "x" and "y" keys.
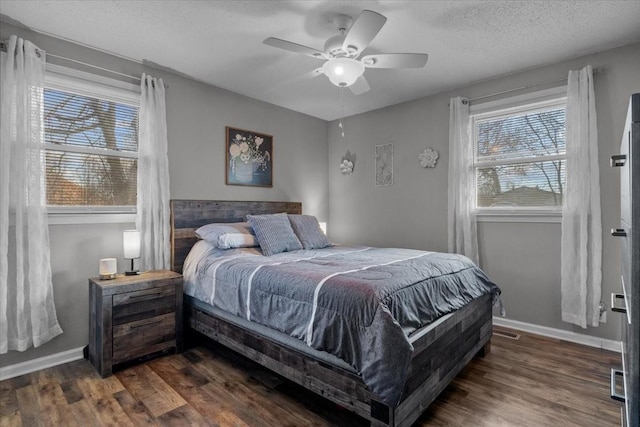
{"x": 520, "y": 160}
{"x": 91, "y": 154}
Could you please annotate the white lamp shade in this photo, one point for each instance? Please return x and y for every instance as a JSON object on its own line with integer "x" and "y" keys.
{"x": 343, "y": 72}
{"x": 108, "y": 266}
{"x": 131, "y": 243}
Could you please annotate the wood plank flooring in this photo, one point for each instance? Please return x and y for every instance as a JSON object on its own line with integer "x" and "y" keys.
{"x": 534, "y": 381}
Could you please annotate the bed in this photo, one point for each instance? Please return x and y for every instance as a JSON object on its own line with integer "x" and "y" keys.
{"x": 438, "y": 351}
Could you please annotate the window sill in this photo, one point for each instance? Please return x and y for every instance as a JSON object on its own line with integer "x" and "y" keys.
{"x": 59, "y": 218}
{"x": 546, "y": 217}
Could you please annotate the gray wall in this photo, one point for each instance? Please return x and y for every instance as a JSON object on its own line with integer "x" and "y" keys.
{"x": 196, "y": 118}
{"x": 523, "y": 258}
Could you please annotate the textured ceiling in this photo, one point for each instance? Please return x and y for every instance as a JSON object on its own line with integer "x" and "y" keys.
{"x": 220, "y": 42}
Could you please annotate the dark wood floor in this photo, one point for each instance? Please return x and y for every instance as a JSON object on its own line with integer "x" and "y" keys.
{"x": 534, "y": 381}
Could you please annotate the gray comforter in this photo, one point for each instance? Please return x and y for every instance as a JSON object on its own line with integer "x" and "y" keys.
{"x": 358, "y": 303}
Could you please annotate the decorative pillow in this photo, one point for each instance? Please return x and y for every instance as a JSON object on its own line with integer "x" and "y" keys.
{"x": 309, "y": 232}
{"x": 237, "y": 240}
{"x": 274, "y": 233}
{"x": 212, "y": 232}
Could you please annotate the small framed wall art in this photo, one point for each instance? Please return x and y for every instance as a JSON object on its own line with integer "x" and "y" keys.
{"x": 384, "y": 165}
{"x": 249, "y": 158}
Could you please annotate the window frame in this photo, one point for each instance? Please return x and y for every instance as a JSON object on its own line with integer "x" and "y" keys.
{"x": 531, "y": 102}
{"x": 82, "y": 83}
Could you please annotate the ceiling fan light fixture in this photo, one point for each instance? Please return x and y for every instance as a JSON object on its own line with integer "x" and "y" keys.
{"x": 343, "y": 72}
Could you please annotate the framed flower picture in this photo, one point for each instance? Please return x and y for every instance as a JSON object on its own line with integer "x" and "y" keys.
{"x": 249, "y": 158}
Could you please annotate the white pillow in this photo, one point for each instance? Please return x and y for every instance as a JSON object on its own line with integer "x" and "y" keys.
{"x": 236, "y": 240}
{"x": 212, "y": 232}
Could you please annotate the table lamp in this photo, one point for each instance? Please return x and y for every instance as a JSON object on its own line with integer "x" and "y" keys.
{"x": 131, "y": 245}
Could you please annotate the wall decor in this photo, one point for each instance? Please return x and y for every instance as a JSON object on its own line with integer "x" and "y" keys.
{"x": 346, "y": 167}
{"x": 348, "y": 163}
{"x": 249, "y": 158}
{"x": 384, "y": 165}
{"x": 428, "y": 158}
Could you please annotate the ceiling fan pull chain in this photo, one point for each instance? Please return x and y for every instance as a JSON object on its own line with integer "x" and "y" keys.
{"x": 340, "y": 125}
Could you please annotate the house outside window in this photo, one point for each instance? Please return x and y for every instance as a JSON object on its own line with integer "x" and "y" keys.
{"x": 91, "y": 143}
{"x": 520, "y": 155}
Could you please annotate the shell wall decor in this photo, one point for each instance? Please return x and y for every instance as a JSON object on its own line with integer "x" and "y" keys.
{"x": 346, "y": 167}
{"x": 428, "y": 158}
{"x": 348, "y": 163}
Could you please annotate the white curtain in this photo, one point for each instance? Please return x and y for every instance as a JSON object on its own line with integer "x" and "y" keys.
{"x": 581, "y": 257}
{"x": 27, "y": 311}
{"x": 462, "y": 232}
{"x": 152, "y": 217}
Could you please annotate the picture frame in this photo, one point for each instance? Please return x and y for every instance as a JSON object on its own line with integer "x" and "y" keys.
{"x": 249, "y": 158}
{"x": 384, "y": 165}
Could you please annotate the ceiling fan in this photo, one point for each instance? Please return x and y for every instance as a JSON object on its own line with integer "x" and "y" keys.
{"x": 344, "y": 67}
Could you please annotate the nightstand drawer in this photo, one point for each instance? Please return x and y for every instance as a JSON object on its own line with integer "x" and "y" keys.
{"x": 142, "y": 337}
{"x": 138, "y": 305}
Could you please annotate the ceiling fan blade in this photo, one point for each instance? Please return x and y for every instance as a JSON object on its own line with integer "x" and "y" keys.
{"x": 305, "y": 77}
{"x": 302, "y": 78}
{"x": 296, "y": 48}
{"x": 395, "y": 60}
{"x": 360, "y": 86}
{"x": 311, "y": 74}
{"x": 362, "y": 32}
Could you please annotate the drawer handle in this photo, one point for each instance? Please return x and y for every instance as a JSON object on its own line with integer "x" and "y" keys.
{"x": 145, "y": 324}
{"x": 615, "y": 373}
{"x": 145, "y": 295}
{"x": 618, "y": 232}
{"x": 615, "y": 297}
{"x": 618, "y": 161}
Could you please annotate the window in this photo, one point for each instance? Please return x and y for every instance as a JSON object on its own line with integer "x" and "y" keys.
{"x": 91, "y": 144}
{"x": 519, "y": 160}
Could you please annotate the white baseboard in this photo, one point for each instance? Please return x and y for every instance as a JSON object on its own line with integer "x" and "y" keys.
{"x": 560, "y": 334}
{"x": 33, "y": 365}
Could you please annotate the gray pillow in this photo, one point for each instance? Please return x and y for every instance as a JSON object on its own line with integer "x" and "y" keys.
{"x": 309, "y": 232}
{"x": 274, "y": 233}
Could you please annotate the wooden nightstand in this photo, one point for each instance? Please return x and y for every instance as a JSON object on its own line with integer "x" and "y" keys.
{"x": 134, "y": 316}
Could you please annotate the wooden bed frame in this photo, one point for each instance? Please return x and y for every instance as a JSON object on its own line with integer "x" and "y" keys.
{"x": 440, "y": 352}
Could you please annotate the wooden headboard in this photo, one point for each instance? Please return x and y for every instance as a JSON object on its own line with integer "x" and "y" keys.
{"x": 188, "y": 215}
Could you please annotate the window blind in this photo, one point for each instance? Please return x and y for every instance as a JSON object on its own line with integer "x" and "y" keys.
{"x": 520, "y": 158}
{"x": 91, "y": 150}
